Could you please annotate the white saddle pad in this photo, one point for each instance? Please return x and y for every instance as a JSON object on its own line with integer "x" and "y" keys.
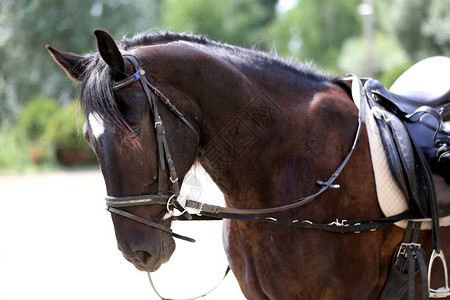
{"x": 391, "y": 199}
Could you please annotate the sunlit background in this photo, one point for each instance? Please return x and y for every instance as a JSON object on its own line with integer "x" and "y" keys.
{"x": 55, "y": 235}
{"x": 37, "y": 102}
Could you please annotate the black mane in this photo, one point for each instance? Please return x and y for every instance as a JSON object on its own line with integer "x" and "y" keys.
{"x": 97, "y": 94}
{"x": 149, "y": 38}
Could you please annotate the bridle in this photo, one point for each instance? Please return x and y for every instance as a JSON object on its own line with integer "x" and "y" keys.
{"x": 114, "y": 204}
{"x": 176, "y": 201}
{"x": 201, "y": 210}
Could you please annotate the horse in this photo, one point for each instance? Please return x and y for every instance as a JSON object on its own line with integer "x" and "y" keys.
{"x": 266, "y": 130}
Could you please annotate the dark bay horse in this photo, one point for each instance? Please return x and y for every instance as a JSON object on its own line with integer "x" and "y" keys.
{"x": 267, "y": 132}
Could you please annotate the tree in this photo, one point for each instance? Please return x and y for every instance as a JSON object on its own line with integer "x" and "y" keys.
{"x": 27, "y": 26}
{"x": 316, "y": 30}
{"x": 387, "y": 54}
{"x": 422, "y": 27}
{"x": 437, "y": 26}
{"x": 239, "y": 22}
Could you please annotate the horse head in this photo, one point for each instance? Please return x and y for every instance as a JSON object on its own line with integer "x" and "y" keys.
{"x": 120, "y": 128}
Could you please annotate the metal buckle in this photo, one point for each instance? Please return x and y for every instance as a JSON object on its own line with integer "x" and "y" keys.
{"x": 331, "y": 186}
{"x": 444, "y": 291}
{"x": 337, "y": 223}
{"x": 137, "y": 75}
{"x": 401, "y": 261}
{"x": 170, "y": 212}
{"x": 402, "y": 250}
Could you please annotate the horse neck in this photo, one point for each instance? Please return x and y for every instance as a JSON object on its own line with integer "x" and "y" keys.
{"x": 261, "y": 126}
{"x": 261, "y": 134}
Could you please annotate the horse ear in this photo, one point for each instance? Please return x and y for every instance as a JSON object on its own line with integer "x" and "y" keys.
{"x": 109, "y": 51}
{"x": 69, "y": 62}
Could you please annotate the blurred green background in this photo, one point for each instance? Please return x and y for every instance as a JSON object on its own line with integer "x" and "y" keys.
{"x": 40, "y": 123}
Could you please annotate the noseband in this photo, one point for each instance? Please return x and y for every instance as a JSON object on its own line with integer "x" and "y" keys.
{"x": 169, "y": 201}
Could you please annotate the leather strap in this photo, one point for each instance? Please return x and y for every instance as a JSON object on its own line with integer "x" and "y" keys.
{"x": 403, "y": 268}
{"x": 136, "y": 200}
{"x": 358, "y": 96}
{"x": 129, "y": 80}
{"x": 149, "y": 223}
{"x": 343, "y": 226}
{"x": 140, "y": 75}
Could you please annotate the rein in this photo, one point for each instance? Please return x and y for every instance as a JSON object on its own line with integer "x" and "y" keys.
{"x": 204, "y": 211}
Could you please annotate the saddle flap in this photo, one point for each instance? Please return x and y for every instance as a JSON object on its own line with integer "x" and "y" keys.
{"x": 401, "y": 156}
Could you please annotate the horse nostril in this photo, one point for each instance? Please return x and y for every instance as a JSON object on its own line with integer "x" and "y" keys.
{"x": 143, "y": 256}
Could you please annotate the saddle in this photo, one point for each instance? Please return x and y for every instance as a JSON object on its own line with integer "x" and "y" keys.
{"x": 413, "y": 122}
{"x": 415, "y": 134}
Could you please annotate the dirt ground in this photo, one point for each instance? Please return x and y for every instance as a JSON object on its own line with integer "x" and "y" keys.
{"x": 57, "y": 242}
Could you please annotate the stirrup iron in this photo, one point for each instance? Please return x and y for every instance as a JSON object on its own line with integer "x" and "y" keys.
{"x": 444, "y": 291}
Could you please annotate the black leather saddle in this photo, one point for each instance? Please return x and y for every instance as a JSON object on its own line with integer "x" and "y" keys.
{"x": 412, "y": 122}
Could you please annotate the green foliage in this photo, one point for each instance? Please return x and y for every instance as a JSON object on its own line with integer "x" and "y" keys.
{"x": 27, "y": 26}
{"x": 387, "y": 54}
{"x": 33, "y": 121}
{"x": 327, "y": 32}
{"x": 63, "y": 128}
{"x": 422, "y": 27}
{"x": 43, "y": 129}
{"x": 239, "y": 22}
{"x": 12, "y": 154}
{"x": 316, "y": 29}
{"x": 390, "y": 75}
{"x": 437, "y": 26}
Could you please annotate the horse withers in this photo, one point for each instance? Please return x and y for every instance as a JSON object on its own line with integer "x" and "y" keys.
{"x": 266, "y": 132}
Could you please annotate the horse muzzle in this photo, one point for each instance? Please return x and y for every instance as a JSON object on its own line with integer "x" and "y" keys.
{"x": 149, "y": 258}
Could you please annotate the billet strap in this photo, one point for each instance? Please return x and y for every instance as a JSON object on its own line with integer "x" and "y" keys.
{"x": 414, "y": 253}
{"x": 408, "y": 259}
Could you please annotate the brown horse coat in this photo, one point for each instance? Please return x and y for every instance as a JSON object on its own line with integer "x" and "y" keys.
{"x": 269, "y": 131}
